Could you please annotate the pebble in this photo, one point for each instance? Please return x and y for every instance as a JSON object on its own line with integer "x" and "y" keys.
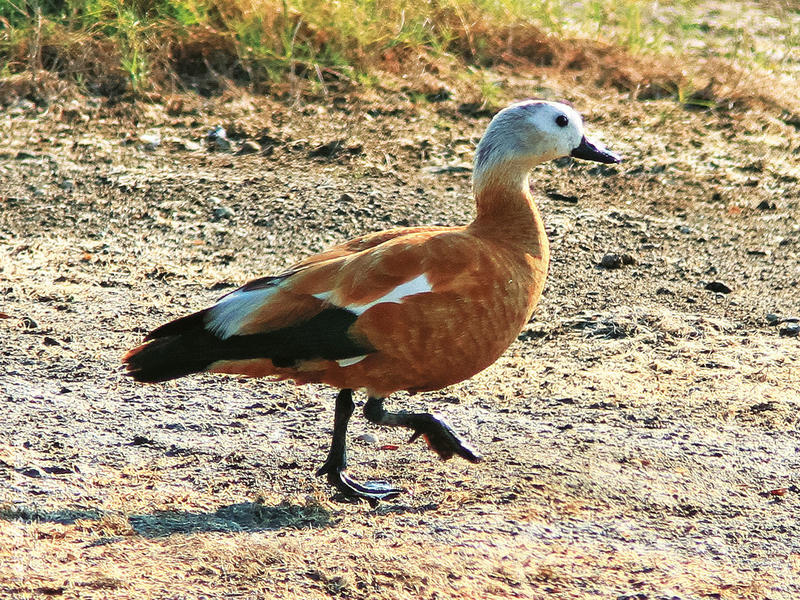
{"x": 30, "y": 472}
{"x": 616, "y": 261}
{"x": 684, "y": 229}
{"x": 791, "y": 330}
{"x": 368, "y": 438}
{"x": 772, "y": 318}
{"x": 223, "y": 212}
{"x": 68, "y": 185}
{"x": 74, "y": 115}
{"x": 554, "y": 195}
{"x": 189, "y": 145}
{"x": 327, "y": 149}
{"x": 718, "y": 287}
{"x": 217, "y": 139}
{"x": 150, "y": 141}
{"x": 766, "y": 205}
{"x": 249, "y": 147}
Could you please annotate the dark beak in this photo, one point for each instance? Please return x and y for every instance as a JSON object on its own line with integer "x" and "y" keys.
{"x": 588, "y": 150}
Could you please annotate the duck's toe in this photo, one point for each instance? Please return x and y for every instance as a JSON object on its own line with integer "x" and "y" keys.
{"x": 371, "y": 491}
{"x": 441, "y": 438}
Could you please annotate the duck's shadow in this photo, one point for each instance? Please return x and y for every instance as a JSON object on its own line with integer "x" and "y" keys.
{"x": 245, "y": 516}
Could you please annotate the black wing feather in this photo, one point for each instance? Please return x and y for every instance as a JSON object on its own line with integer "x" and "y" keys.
{"x": 185, "y": 346}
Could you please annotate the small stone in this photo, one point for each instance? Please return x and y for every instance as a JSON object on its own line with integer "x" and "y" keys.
{"x": 23, "y": 154}
{"x": 217, "y": 139}
{"x": 249, "y": 147}
{"x": 684, "y": 229}
{"x": 440, "y": 95}
{"x": 345, "y": 197}
{"x": 73, "y": 114}
{"x": 190, "y": 146}
{"x": 223, "y": 212}
{"x": 616, "y": 261}
{"x": 718, "y": 287}
{"x": 554, "y": 195}
{"x": 327, "y": 149}
{"x": 31, "y": 472}
{"x": 58, "y": 470}
{"x": 772, "y": 318}
{"x": 790, "y": 329}
{"x": 68, "y": 185}
{"x": 150, "y": 141}
{"x": 663, "y": 291}
{"x": 766, "y": 205}
{"x": 28, "y": 323}
{"x": 368, "y": 438}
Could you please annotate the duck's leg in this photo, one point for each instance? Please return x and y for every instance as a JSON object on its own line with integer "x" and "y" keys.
{"x": 439, "y": 435}
{"x": 334, "y": 466}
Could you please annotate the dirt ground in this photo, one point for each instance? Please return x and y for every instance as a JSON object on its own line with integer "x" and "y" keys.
{"x": 640, "y": 438}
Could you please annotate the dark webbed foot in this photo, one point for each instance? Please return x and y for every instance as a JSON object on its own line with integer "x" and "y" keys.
{"x": 371, "y": 491}
{"x": 334, "y": 466}
{"x": 437, "y": 433}
{"x": 443, "y": 440}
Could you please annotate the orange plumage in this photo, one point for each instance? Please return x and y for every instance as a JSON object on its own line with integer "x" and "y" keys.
{"x": 412, "y": 309}
{"x": 483, "y": 291}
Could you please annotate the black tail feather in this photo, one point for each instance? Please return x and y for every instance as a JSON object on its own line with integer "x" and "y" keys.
{"x": 170, "y": 357}
{"x": 184, "y": 346}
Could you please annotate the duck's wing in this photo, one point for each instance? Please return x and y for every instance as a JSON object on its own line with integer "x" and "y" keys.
{"x": 417, "y": 312}
{"x": 282, "y": 321}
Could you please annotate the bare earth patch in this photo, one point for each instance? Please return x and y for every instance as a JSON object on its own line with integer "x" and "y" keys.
{"x": 640, "y": 436}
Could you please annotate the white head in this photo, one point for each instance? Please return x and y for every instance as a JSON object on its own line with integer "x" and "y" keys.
{"x": 528, "y": 133}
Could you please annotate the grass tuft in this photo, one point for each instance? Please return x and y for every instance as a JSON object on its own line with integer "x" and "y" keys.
{"x": 116, "y": 48}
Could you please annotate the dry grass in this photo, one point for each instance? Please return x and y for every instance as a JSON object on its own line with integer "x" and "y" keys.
{"x": 106, "y": 557}
{"x": 699, "y": 54}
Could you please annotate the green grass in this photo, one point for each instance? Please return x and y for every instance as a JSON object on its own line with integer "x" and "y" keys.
{"x": 151, "y": 42}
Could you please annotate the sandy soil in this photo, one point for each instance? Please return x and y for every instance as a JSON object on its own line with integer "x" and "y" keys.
{"x": 641, "y": 436}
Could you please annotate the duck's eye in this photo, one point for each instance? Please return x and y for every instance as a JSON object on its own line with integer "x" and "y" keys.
{"x": 562, "y": 121}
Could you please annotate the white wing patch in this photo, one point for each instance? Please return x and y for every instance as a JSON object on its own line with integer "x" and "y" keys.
{"x": 228, "y": 315}
{"x": 346, "y": 362}
{"x": 418, "y": 285}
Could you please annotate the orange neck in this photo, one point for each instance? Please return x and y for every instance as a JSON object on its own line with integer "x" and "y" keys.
{"x": 507, "y": 212}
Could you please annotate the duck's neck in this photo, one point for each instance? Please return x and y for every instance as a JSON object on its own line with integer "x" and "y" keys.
{"x": 506, "y": 209}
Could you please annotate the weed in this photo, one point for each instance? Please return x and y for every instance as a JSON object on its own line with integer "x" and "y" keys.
{"x": 252, "y": 41}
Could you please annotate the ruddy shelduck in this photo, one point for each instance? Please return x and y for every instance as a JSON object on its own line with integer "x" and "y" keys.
{"x": 413, "y": 308}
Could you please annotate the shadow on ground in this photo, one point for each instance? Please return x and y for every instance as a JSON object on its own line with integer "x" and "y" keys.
{"x": 245, "y": 516}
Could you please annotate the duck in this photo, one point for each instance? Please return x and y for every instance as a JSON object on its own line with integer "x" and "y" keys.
{"x": 411, "y": 309}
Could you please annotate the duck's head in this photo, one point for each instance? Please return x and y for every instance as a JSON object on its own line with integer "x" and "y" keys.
{"x": 531, "y": 132}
